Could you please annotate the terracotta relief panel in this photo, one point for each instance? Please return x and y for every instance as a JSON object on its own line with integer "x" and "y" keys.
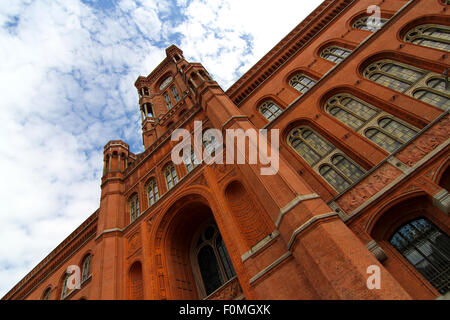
{"x": 426, "y": 143}
{"x": 229, "y": 291}
{"x": 368, "y": 187}
{"x": 134, "y": 244}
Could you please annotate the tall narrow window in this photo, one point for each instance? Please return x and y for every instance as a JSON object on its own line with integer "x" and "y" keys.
{"x": 190, "y": 161}
{"x": 365, "y": 24}
{"x": 175, "y": 93}
{"x": 152, "y": 192}
{"x": 212, "y": 259}
{"x": 134, "y": 207}
{"x": 65, "y": 289}
{"x": 301, "y": 82}
{"x": 270, "y": 110}
{"x": 331, "y": 163}
{"x": 171, "y": 176}
{"x": 46, "y": 294}
{"x": 335, "y": 54}
{"x": 428, "y": 249}
{"x": 423, "y": 85}
{"x": 430, "y": 35}
{"x": 168, "y": 100}
{"x": 86, "y": 268}
{"x": 385, "y": 130}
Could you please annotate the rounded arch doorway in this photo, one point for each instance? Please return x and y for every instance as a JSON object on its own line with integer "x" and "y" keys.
{"x": 196, "y": 261}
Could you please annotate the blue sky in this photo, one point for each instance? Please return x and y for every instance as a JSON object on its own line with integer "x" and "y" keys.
{"x": 67, "y": 69}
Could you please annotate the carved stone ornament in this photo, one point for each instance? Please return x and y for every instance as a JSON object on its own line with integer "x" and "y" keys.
{"x": 376, "y": 250}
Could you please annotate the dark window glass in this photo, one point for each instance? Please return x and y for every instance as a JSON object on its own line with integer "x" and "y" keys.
{"x": 209, "y": 269}
{"x": 428, "y": 249}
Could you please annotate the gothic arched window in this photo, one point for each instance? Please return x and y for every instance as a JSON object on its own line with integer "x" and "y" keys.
{"x": 301, "y": 82}
{"x": 335, "y": 54}
{"x": 385, "y": 130}
{"x": 430, "y": 35}
{"x": 365, "y": 24}
{"x": 190, "y": 161}
{"x": 212, "y": 259}
{"x": 427, "y": 248}
{"x": 331, "y": 163}
{"x": 171, "y": 176}
{"x": 152, "y": 192}
{"x": 270, "y": 110}
{"x": 86, "y": 268}
{"x": 423, "y": 85}
{"x": 133, "y": 204}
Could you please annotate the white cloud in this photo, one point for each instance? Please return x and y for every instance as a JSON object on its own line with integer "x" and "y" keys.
{"x": 67, "y": 73}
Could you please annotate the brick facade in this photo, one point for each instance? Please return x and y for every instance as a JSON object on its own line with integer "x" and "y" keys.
{"x": 292, "y": 235}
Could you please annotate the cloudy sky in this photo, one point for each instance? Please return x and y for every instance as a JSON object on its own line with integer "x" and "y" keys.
{"x": 67, "y": 69}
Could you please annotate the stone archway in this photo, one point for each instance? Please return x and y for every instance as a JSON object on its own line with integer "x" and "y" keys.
{"x": 404, "y": 262}
{"x": 178, "y": 275}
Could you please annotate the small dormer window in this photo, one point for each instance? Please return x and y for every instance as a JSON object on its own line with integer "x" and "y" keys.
{"x": 165, "y": 83}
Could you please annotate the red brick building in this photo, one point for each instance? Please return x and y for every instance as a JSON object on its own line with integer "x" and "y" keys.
{"x": 363, "y": 177}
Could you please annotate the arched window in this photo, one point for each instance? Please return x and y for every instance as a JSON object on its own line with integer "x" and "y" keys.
{"x": 335, "y": 54}
{"x": 270, "y": 110}
{"x": 175, "y": 93}
{"x": 212, "y": 259}
{"x": 428, "y": 249}
{"x": 171, "y": 176}
{"x": 86, "y": 268}
{"x": 65, "y": 289}
{"x": 152, "y": 192}
{"x": 168, "y": 100}
{"x": 390, "y": 134}
{"x": 301, "y": 82}
{"x": 434, "y": 93}
{"x": 365, "y": 24}
{"x": 134, "y": 207}
{"x": 430, "y": 35}
{"x": 424, "y": 85}
{"x": 190, "y": 161}
{"x": 385, "y": 130}
{"x": 165, "y": 83}
{"x": 331, "y": 163}
{"x": 46, "y": 294}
